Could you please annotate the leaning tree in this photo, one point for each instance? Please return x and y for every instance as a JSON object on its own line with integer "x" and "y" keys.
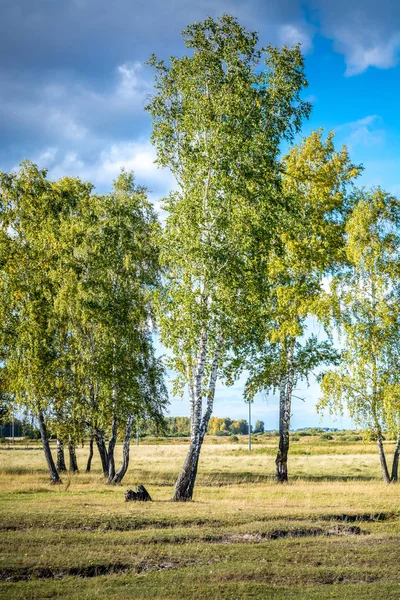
{"x": 219, "y": 115}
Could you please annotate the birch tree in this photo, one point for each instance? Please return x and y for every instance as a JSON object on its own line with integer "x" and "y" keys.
{"x": 109, "y": 274}
{"x": 219, "y": 115}
{"x": 316, "y": 183}
{"x": 365, "y": 308}
{"x": 32, "y": 210}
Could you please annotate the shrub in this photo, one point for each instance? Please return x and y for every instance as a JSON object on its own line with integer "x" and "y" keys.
{"x": 234, "y": 438}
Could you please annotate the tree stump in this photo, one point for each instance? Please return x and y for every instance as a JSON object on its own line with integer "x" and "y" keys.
{"x": 141, "y": 495}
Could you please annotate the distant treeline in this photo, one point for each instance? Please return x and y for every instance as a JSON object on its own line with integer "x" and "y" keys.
{"x": 180, "y": 427}
{"x": 22, "y": 428}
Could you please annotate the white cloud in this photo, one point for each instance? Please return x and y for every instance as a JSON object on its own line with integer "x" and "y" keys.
{"x": 291, "y": 34}
{"x": 131, "y": 83}
{"x": 365, "y": 132}
{"x": 136, "y": 156}
{"x": 383, "y": 54}
{"x": 366, "y": 32}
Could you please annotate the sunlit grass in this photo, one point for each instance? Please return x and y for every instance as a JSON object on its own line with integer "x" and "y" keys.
{"x": 339, "y": 525}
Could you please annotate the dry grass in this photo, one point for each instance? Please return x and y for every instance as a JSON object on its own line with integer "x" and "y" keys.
{"x": 333, "y": 532}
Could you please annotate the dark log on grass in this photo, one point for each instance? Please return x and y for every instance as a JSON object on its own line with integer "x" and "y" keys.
{"x": 141, "y": 495}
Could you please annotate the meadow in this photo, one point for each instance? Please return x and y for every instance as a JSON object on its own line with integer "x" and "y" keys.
{"x": 332, "y": 532}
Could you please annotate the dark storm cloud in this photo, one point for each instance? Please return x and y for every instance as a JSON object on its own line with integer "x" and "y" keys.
{"x": 72, "y": 81}
{"x": 93, "y": 35}
{"x": 72, "y": 74}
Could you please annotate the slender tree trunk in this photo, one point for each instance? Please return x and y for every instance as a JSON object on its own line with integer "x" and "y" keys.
{"x": 382, "y": 457}
{"x": 118, "y": 477}
{"x": 54, "y": 476}
{"x": 90, "y": 457}
{"x": 101, "y": 446}
{"x": 285, "y": 409}
{"x": 73, "y": 464}
{"x": 111, "y": 449}
{"x": 185, "y": 483}
{"x": 281, "y": 458}
{"x": 395, "y": 465}
{"x": 61, "y": 467}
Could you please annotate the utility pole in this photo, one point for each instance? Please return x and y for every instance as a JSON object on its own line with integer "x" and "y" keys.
{"x": 12, "y": 425}
{"x": 249, "y": 426}
{"x": 137, "y": 434}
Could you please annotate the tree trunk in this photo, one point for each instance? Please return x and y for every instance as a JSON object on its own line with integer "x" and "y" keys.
{"x": 285, "y": 409}
{"x": 281, "y": 458}
{"x": 110, "y": 453}
{"x": 185, "y": 483}
{"x": 101, "y": 446}
{"x": 382, "y": 457}
{"x": 61, "y": 467}
{"x": 90, "y": 457}
{"x": 73, "y": 465}
{"x": 125, "y": 453}
{"x": 54, "y": 476}
{"x": 395, "y": 465}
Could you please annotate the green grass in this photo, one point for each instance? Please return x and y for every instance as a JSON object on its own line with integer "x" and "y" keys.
{"x": 333, "y": 532}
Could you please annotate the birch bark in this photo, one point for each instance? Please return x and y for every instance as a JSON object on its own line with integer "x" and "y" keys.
{"x": 125, "y": 453}
{"x": 54, "y": 476}
{"x": 382, "y": 458}
{"x": 395, "y": 464}
{"x": 90, "y": 457}
{"x": 285, "y": 409}
{"x": 185, "y": 483}
{"x": 61, "y": 466}
{"x": 111, "y": 448}
{"x": 73, "y": 464}
{"x": 101, "y": 446}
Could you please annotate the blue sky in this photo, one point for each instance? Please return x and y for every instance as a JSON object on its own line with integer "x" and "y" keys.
{"x": 73, "y": 85}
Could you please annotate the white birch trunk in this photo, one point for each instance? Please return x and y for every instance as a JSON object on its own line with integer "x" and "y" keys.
{"x": 285, "y": 409}
{"x": 54, "y": 476}
{"x": 187, "y": 477}
{"x": 125, "y": 453}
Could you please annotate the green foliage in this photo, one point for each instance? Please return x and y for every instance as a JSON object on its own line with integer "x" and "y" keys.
{"x": 78, "y": 273}
{"x": 259, "y": 427}
{"x": 365, "y": 308}
{"x": 32, "y": 210}
{"x": 109, "y": 273}
{"x": 315, "y": 183}
{"x": 218, "y": 118}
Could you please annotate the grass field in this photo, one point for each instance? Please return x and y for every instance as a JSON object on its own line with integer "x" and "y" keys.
{"x": 333, "y": 532}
